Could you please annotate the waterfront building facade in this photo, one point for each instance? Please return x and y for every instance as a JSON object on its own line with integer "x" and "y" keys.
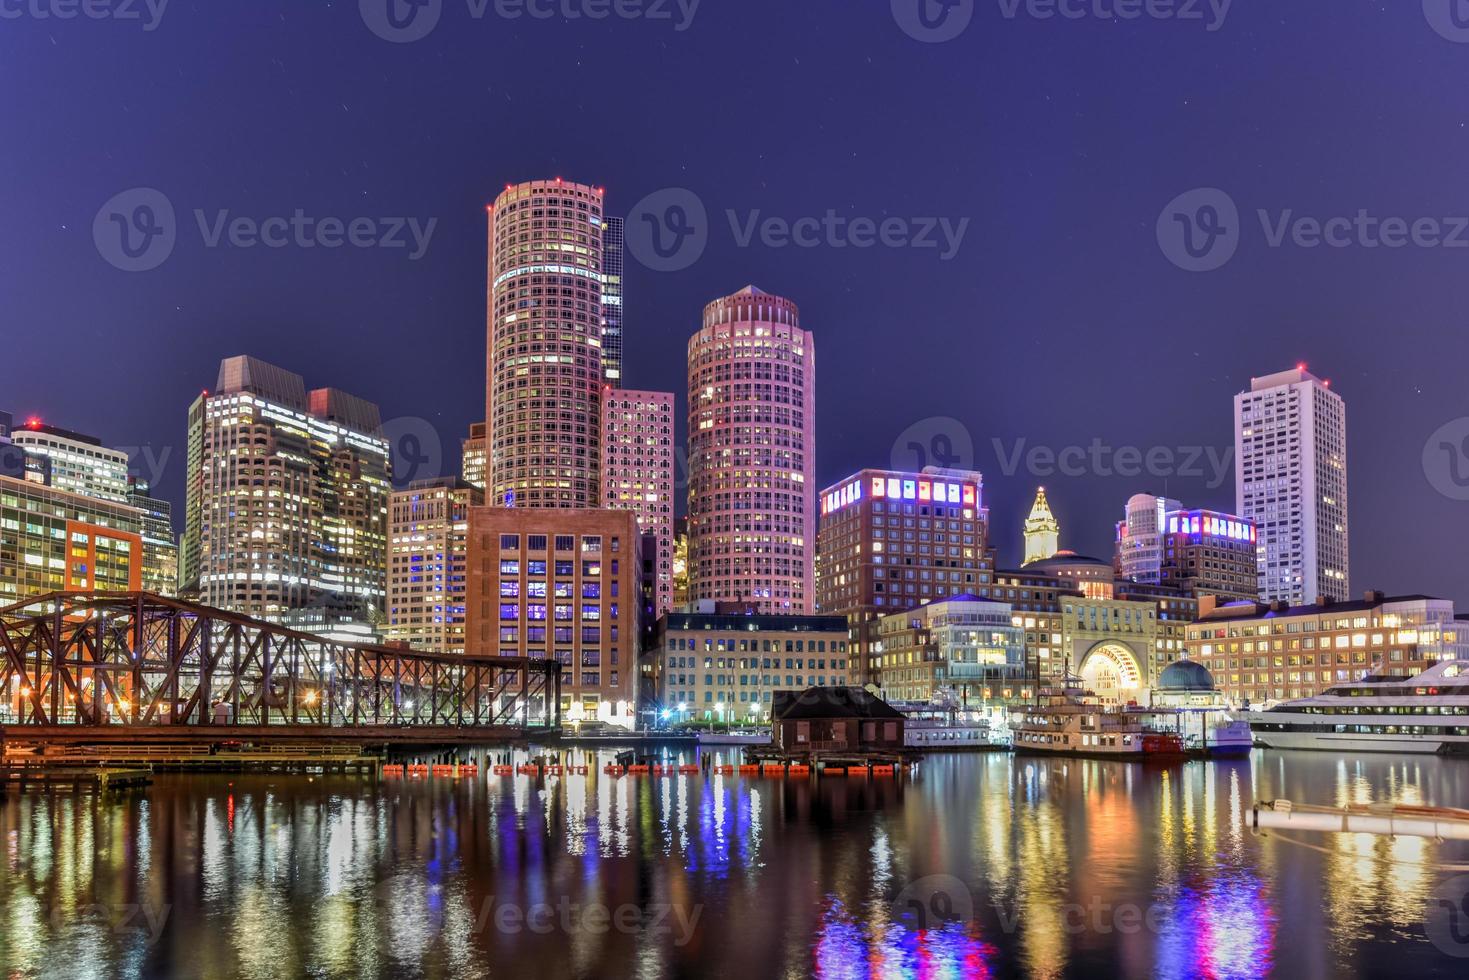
{"x": 752, "y": 455}
{"x": 964, "y": 649}
{"x": 638, "y": 471}
{"x": 1290, "y": 442}
{"x": 1267, "y": 652}
{"x": 562, "y": 584}
{"x": 544, "y": 398}
{"x": 428, "y": 558}
{"x": 287, "y": 496}
{"x": 55, "y": 541}
{"x": 890, "y": 541}
{"x": 727, "y": 666}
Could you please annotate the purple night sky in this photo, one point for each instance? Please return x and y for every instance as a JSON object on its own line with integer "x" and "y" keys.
{"x": 1059, "y": 320}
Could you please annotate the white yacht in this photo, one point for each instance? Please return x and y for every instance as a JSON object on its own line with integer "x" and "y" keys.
{"x": 1427, "y": 714}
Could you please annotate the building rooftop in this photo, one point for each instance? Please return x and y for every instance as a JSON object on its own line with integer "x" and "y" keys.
{"x": 830, "y": 702}
{"x": 737, "y": 622}
{"x": 1260, "y": 610}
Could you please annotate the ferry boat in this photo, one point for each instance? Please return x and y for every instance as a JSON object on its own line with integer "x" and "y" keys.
{"x": 1427, "y": 714}
{"x": 1069, "y": 721}
{"x": 935, "y": 729}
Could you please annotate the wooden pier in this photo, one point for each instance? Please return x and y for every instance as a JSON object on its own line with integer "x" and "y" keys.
{"x": 72, "y": 776}
{"x": 278, "y": 757}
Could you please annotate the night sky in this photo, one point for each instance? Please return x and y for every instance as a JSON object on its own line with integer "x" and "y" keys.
{"x": 1059, "y": 321}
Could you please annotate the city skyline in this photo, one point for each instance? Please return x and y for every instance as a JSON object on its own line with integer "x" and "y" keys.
{"x": 1197, "y": 338}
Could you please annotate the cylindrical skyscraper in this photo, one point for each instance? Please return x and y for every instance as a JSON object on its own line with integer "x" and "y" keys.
{"x": 752, "y": 455}
{"x": 544, "y": 399}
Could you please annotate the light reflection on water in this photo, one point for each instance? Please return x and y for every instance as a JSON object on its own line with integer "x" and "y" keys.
{"x": 982, "y": 865}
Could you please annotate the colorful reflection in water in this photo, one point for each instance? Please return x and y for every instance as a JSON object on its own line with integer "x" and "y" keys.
{"x": 983, "y": 865}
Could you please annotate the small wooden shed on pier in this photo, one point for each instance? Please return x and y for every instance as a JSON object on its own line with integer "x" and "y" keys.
{"x": 834, "y": 720}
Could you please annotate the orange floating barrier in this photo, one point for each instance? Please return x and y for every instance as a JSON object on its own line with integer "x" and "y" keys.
{"x": 613, "y": 770}
{"x": 883, "y": 770}
{"x": 800, "y": 770}
{"x": 419, "y": 770}
{"x": 392, "y": 770}
{"x": 553, "y": 770}
{"x": 637, "y": 769}
{"x": 688, "y": 770}
{"x": 504, "y": 770}
{"x": 833, "y": 771}
{"x": 664, "y": 770}
{"x": 749, "y": 769}
{"x": 529, "y": 770}
{"x": 724, "y": 770}
{"x": 469, "y": 769}
{"x": 577, "y": 770}
{"x": 773, "y": 769}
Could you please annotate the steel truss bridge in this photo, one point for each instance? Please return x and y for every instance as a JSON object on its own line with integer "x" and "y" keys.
{"x": 133, "y": 664}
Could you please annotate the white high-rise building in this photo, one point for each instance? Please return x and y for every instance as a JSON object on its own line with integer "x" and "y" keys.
{"x": 1140, "y": 537}
{"x": 1290, "y": 442}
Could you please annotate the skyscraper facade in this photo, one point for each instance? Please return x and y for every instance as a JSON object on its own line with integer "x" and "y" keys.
{"x": 612, "y": 301}
{"x": 76, "y": 463}
{"x": 428, "y": 553}
{"x": 544, "y": 400}
{"x": 891, "y": 541}
{"x": 638, "y": 472}
{"x": 160, "y": 547}
{"x": 287, "y": 496}
{"x": 1139, "y": 545}
{"x": 752, "y": 455}
{"x": 474, "y": 456}
{"x": 1290, "y": 446}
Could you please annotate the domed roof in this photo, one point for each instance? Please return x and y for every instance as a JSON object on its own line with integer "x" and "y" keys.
{"x": 1185, "y": 675}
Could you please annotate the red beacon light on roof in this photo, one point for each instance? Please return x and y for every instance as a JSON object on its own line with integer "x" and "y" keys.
{"x": 34, "y": 422}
